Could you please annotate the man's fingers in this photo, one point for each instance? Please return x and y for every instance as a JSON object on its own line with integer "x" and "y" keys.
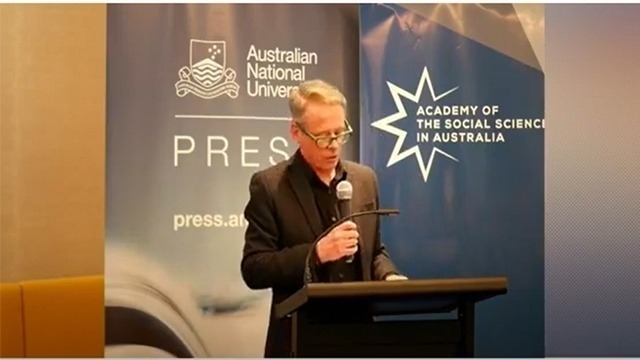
{"x": 351, "y": 250}
{"x": 351, "y": 243}
{"x": 347, "y": 225}
{"x": 347, "y": 234}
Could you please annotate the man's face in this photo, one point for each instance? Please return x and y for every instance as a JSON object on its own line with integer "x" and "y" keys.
{"x": 320, "y": 121}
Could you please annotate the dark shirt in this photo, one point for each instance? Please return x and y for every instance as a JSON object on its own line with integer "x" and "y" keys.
{"x": 327, "y": 204}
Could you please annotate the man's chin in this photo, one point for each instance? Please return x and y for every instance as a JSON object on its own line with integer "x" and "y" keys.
{"x": 331, "y": 164}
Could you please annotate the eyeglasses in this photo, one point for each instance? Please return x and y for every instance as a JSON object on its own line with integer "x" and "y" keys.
{"x": 326, "y": 140}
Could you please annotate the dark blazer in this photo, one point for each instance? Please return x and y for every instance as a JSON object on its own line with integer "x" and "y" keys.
{"x": 284, "y": 221}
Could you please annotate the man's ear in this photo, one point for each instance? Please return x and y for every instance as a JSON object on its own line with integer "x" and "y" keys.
{"x": 294, "y": 131}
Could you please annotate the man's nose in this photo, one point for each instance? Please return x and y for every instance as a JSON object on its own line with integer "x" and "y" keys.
{"x": 334, "y": 145}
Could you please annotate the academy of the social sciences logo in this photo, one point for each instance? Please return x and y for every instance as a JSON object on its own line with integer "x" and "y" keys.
{"x": 207, "y": 75}
{"x": 386, "y": 124}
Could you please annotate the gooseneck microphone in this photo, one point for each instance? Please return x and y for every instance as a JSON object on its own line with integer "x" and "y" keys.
{"x": 344, "y": 193}
{"x": 308, "y": 273}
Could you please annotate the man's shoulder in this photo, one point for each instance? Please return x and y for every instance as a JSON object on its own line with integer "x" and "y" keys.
{"x": 272, "y": 173}
{"x": 358, "y": 169}
{"x": 275, "y": 173}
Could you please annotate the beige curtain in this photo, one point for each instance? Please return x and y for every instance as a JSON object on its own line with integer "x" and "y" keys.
{"x": 53, "y": 73}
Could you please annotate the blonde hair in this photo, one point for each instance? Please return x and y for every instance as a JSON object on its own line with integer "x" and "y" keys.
{"x": 316, "y": 91}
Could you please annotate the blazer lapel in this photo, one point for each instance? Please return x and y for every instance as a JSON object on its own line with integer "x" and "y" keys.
{"x": 302, "y": 189}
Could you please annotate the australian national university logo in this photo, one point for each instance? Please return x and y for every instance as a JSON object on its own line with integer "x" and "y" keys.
{"x": 207, "y": 75}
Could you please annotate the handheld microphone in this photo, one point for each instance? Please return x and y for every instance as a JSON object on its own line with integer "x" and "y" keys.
{"x": 344, "y": 193}
{"x": 308, "y": 273}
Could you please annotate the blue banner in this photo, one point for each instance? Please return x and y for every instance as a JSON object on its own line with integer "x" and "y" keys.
{"x": 197, "y": 101}
{"x": 454, "y": 128}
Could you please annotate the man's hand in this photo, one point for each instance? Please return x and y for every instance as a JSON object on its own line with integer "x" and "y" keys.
{"x": 394, "y": 277}
{"x": 340, "y": 242}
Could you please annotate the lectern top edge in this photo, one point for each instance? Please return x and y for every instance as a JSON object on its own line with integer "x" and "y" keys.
{"x": 405, "y": 287}
{"x": 479, "y": 288}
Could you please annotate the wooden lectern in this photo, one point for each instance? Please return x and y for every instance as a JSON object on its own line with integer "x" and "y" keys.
{"x": 351, "y": 319}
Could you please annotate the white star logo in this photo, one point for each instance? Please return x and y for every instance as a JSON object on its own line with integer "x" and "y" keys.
{"x": 385, "y": 124}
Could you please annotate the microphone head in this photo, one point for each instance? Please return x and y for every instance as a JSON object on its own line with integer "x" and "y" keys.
{"x": 344, "y": 190}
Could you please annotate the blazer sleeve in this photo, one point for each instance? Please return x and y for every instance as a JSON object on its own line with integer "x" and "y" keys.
{"x": 382, "y": 265}
{"x": 266, "y": 262}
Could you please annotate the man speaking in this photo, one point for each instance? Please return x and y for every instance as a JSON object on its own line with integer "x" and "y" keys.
{"x": 293, "y": 202}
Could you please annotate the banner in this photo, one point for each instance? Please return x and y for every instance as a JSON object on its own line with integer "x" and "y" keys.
{"x": 196, "y": 103}
{"x": 452, "y": 121}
